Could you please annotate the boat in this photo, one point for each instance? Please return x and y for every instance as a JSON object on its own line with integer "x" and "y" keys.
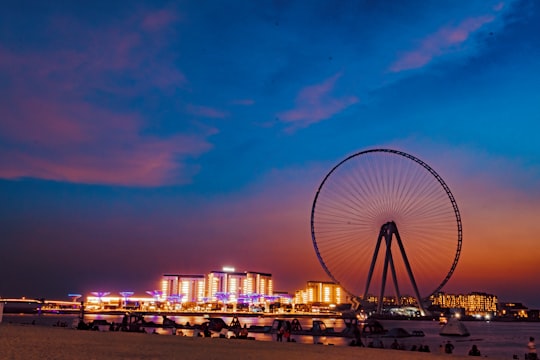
{"x": 397, "y": 333}
{"x": 318, "y": 328}
{"x": 373, "y": 327}
{"x": 454, "y": 327}
{"x": 22, "y": 306}
{"x": 263, "y": 329}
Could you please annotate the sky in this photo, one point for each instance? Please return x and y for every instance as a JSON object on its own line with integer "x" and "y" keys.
{"x": 139, "y": 138}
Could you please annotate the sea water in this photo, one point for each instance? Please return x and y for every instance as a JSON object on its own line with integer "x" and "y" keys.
{"x": 494, "y": 339}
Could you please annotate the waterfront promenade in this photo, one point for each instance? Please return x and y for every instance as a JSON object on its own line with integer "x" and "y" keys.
{"x": 37, "y": 342}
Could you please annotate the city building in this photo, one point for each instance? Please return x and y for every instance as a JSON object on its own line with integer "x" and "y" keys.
{"x": 183, "y": 288}
{"x": 231, "y": 286}
{"x": 321, "y": 292}
{"x": 473, "y": 304}
{"x": 514, "y": 310}
{"x": 226, "y": 286}
{"x": 404, "y": 300}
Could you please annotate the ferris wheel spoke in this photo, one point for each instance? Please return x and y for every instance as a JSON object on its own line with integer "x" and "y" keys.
{"x": 386, "y": 189}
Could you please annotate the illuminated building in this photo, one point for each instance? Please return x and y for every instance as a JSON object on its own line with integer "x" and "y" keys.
{"x": 179, "y": 291}
{"x": 107, "y": 302}
{"x": 323, "y": 292}
{"x": 187, "y": 288}
{"x": 169, "y": 284}
{"x": 301, "y": 297}
{"x": 404, "y": 300}
{"x": 258, "y": 283}
{"x": 216, "y": 285}
{"x": 514, "y": 310}
{"x": 476, "y": 303}
{"x": 229, "y": 285}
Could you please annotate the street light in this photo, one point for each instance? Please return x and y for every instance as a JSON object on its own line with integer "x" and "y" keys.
{"x": 74, "y": 297}
{"x": 126, "y": 295}
{"x": 100, "y": 295}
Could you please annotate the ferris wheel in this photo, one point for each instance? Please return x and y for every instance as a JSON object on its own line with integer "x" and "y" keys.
{"x": 381, "y": 214}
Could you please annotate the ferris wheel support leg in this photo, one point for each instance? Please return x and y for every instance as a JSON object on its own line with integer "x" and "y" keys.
{"x": 387, "y": 259}
{"x": 409, "y": 270}
{"x": 394, "y": 278}
{"x": 373, "y": 261}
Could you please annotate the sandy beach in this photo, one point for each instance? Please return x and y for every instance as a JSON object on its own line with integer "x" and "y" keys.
{"x": 38, "y": 342}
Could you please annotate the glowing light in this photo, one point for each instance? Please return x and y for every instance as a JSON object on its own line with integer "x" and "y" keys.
{"x": 74, "y": 297}
{"x": 228, "y": 269}
{"x": 156, "y": 294}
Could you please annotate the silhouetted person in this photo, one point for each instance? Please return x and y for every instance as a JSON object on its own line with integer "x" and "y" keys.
{"x": 206, "y": 330}
{"x": 82, "y": 325}
{"x": 474, "y": 351}
{"x": 357, "y": 337}
{"x": 532, "y": 349}
{"x": 280, "y": 333}
{"x": 287, "y": 332}
{"x": 449, "y": 347}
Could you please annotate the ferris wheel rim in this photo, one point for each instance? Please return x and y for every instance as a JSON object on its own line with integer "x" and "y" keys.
{"x": 426, "y": 167}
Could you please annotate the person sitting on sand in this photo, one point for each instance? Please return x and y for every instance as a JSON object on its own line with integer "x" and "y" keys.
{"x": 474, "y": 351}
{"x": 280, "y": 334}
{"x": 243, "y": 332}
{"x": 449, "y": 347}
{"x": 532, "y": 349}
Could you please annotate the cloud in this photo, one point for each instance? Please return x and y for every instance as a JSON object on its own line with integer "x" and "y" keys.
{"x": 206, "y": 111}
{"x": 86, "y": 144}
{"x": 159, "y": 19}
{"x": 59, "y": 124}
{"x": 445, "y": 40}
{"x": 498, "y": 7}
{"x": 245, "y": 102}
{"x": 315, "y": 103}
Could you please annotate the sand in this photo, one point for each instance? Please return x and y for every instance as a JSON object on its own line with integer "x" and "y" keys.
{"x": 39, "y": 342}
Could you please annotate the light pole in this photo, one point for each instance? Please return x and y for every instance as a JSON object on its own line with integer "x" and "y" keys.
{"x": 126, "y": 295}
{"x": 100, "y": 295}
{"x": 156, "y": 294}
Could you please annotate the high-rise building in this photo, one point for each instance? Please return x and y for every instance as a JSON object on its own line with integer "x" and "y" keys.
{"x": 229, "y": 285}
{"x": 321, "y": 292}
{"x": 192, "y": 288}
{"x": 217, "y": 285}
{"x": 169, "y": 285}
{"x": 226, "y": 285}
{"x": 258, "y": 283}
{"x": 475, "y": 303}
{"x": 186, "y": 288}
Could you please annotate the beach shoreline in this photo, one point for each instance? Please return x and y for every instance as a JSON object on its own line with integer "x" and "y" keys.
{"x": 39, "y": 342}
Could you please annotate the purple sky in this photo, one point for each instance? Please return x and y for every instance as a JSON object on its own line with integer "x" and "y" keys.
{"x": 143, "y": 138}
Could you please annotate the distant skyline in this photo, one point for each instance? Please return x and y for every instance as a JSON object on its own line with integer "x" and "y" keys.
{"x": 151, "y": 137}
